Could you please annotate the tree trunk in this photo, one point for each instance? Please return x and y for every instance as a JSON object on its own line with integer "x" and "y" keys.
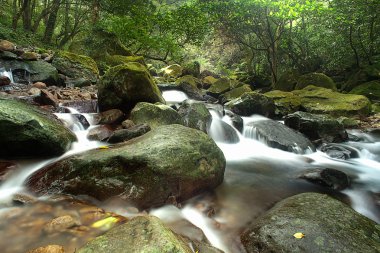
{"x": 49, "y": 30}
{"x": 95, "y": 11}
{"x": 27, "y": 15}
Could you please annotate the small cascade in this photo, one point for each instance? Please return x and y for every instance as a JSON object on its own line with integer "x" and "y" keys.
{"x": 7, "y": 73}
{"x": 174, "y": 96}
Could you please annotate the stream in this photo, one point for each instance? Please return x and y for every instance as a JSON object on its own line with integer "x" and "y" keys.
{"x": 256, "y": 178}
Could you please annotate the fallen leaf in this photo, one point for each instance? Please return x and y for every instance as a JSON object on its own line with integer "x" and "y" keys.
{"x": 299, "y": 235}
{"x": 105, "y": 223}
{"x": 103, "y": 147}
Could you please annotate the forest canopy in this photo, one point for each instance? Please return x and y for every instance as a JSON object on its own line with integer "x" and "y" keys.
{"x": 255, "y": 37}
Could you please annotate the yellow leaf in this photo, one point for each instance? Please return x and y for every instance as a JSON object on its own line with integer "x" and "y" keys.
{"x": 299, "y": 235}
{"x": 106, "y": 223}
{"x": 103, "y": 147}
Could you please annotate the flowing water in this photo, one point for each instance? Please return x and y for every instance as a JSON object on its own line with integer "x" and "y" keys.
{"x": 256, "y": 178}
{"x": 7, "y": 73}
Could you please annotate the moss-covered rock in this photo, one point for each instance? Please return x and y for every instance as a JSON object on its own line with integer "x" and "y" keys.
{"x": 154, "y": 115}
{"x": 195, "y": 115}
{"x": 370, "y": 89}
{"x": 26, "y": 131}
{"x": 208, "y": 81}
{"x": 39, "y": 71}
{"x": 317, "y": 126}
{"x": 76, "y": 66}
{"x": 235, "y": 93}
{"x": 316, "y": 79}
{"x": 328, "y": 226}
{"x": 190, "y": 85}
{"x": 363, "y": 75}
{"x": 114, "y": 60}
{"x": 285, "y": 102}
{"x": 252, "y": 103}
{"x": 123, "y": 86}
{"x": 171, "y": 162}
{"x": 287, "y": 81}
{"x": 192, "y": 68}
{"x": 221, "y": 86}
{"x": 29, "y": 56}
{"x": 6, "y": 45}
{"x": 174, "y": 71}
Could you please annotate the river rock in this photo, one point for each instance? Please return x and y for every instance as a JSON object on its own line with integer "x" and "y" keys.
{"x": 141, "y": 234}
{"x": 39, "y": 71}
{"x": 4, "y": 80}
{"x": 208, "y": 81}
{"x": 127, "y": 123}
{"x": 190, "y": 85}
{"x": 277, "y": 135}
{"x": 237, "y": 121}
{"x": 29, "y": 56}
{"x": 100, "y": 133}
{"x": 48, "y": 249}
{"x": 340, "y": 151}
{"x": 123, "y": 86}
{"x": 76, "y": 66}
{"x": 252, "y": 103}
{"x": 221, "y": 86}
{"x": 195, "y": 115}
{"x": 328, "y": 226}
{"x": 317, "y": 126}
{"x": 316, "y": 79}
{"x": 154, "y": 115}
{"x": 60, "y": 224}
{"x": 174, "y": 71}
{"x": 26, "y": 131}
{"x": 6, "y": 45}
{"x": 370, "y": 89}
{"x": 127, "y": 134}
{"x": 234, "y": 93}
{"x": 112, "y": 116}
{"x": 169, "y": 162}
{"x": 330, "y": 178}
{"x": 223, "y": 133}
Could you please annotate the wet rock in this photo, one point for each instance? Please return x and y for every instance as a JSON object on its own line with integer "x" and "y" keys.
{"x": 237, "y": 121}
{"x": 23, "y": 198}
{"x": 76, "y": 66}
{"x": 29, "y": 132}
{"x": 5, "y": 168}
{"x": 328, "y": 226}
{"x": 6, "y": 45}
{"x": 190, "y": 85}
{"x": 34, "y": 91}
{"x": 123, "y": 86}
{"x": 100, "y": 133}
{"x": 224, "y": 132}
{"x": 127, "y": 123}
{"x": 48, "y": 249}
{"x": 252, "y": 103}
{"x": 317, "y": 126}
{"x": 83, "y": 106}
{"x": 47, "y": 98}
{"x": 330, "y": 178}
{"x": 82, "y": 119}
{"x": 154, "y": 115}
{"x": 195, "y": 115}
{"x": 277, "y": 135}
{"x": 340, "y": 151}
{"x": 113, "y": 116}
{"x": 4, "y": 80}
{"x": 168, "y": 162}
{"x": 127, "y": 134}
{"x": 59, "y": 224}
{"x": 8, "y": 55}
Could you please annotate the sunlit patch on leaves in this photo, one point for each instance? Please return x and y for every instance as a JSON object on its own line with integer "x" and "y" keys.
{"x": 299, "y": 235}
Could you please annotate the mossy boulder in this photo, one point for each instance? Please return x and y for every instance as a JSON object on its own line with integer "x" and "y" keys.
{"x": 287, "y": 81}
{"x": 316, "y": 79}
{"x": 195, "y": 115}
{"x": 32, "y": 71}
{"x": 76, "y": 66}
{"x": 145, "y": 234}
{"x": 221, "y": 86}
{"x": 363, "y": 75}
{"x": 252, "y": 103}
{"x": 173, "y": 71}
{"x": 123, "y": 86}
{"x": 169, "y": 163}
{"x": 6, "y": 45}
{"x": 370, "y": 89}
{"x": 317, "y": 126}
{"x": 154, "y": 114}
{"x": 328, "y": 226}
{"x": 26, "y": 131}
{"x": 285, "y": 102}
{"x": 114, "y": 60}
{"x": 190, "y": 85}
{"x": 235, "y": 93}
{"x": 208, "y": 81}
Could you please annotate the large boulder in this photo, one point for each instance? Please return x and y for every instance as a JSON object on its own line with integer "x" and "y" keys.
{"x": 235, "y": 93}
{"x": 190, "y": 85}
{"x": 6, "y": 45}
{"x": 370, "y": 89}
{"x": 168, "y": 163}
{"x": 142, "y": 234}
{"x": 76, "y": 66}
{"x": 277, "y": 135}
{"x": 287, "y": 81}
{"x": 320, "y": 101}
{"x": 316, "y": 79}
{"x": 219, "y": 87}
{"x": 327, "y": 225}
{"x": 25, "y": 131}
{"x": 252, "y": 103}
{"x": 32, "y": 71}
{"x": 154, "y": 115}
{"x": 173, "y": 71}
{"x": 317, "y": 126}
{"x": 195, "y": 115}
{"x": 123, "y": 86}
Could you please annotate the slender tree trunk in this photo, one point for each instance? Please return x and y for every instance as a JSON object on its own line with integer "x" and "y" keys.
{"x": 27, "y": 15}
{"x": 95, "y": 11}
{"x": 357, "y": 59}
{"x": 50, "y": 26}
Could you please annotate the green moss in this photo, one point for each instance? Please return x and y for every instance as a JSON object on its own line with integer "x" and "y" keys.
{"x": 287, "y": 81}
{"x": 221, "y": 86}
{"x": 316, "y": 79}
{"x": 83, "y": 60}
{"x": 370, "y": 89}
{"x": 191, "y": 80}
{"x": 235, "y": 93}
{"x": 114, "y": 60}
{"x": 286, "y": 102}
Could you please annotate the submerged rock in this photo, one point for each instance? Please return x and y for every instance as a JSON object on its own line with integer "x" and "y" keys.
{"x": 141, "y": 234}
{"x": 340, "y": 151}
{"x": 123, "y": 86}
{"x": 328, "y": 226}
{"x": 330, "y": 178}
{"x": 169, "y": 162}
{"x": 277, "y": 135}
{"x": 26, "y": 131}
{"x": 317, "y": 126}
{"x": 154, "y": 114}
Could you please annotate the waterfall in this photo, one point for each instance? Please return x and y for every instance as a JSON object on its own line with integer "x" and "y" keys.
{"x": 7, "y": 73}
